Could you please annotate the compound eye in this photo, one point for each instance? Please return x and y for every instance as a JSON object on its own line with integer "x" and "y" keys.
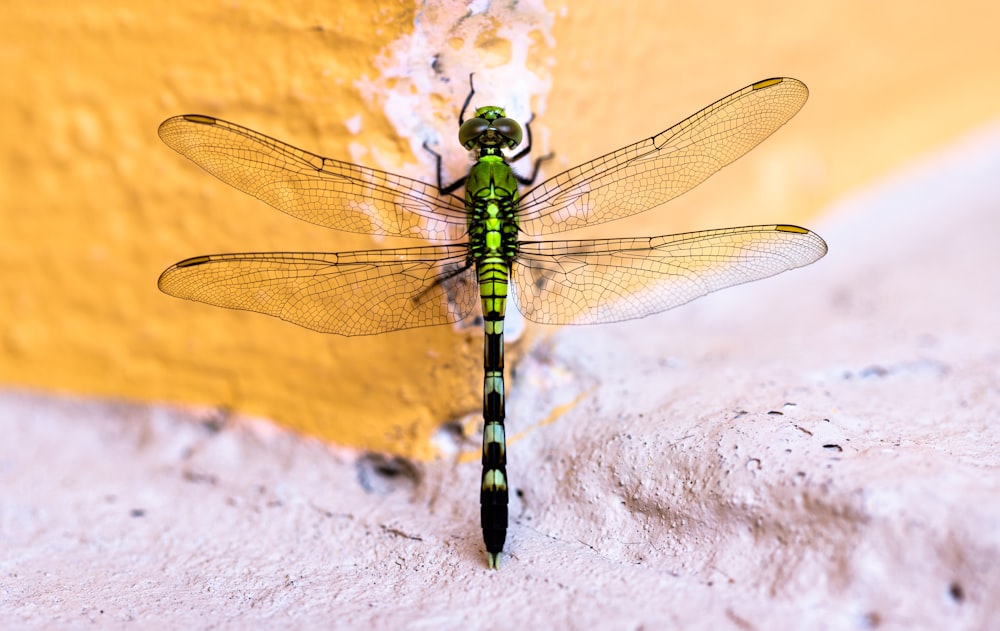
{"x": 471, "y": 130}
{"x": 509, "y": 129}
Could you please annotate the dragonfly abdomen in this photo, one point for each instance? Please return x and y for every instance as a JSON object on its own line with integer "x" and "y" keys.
{"x": 493, "y": 496}
{"x": 493, "y": 275}
{"x": 491, "y": 196}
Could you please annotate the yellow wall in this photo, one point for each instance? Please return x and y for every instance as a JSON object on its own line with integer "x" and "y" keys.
{"x": 93, "y": 206}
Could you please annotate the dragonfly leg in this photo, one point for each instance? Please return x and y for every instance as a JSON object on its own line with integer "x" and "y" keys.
{"x": 523, "y": 152}
{"x": 442, "y": 189}
{"x": 454, "y": 186}
{"x": 468, "y": 99}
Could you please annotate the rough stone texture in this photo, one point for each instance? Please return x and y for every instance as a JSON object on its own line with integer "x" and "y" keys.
{"x": 817, "y": 451}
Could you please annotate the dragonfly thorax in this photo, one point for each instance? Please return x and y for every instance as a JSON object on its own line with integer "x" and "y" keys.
{"x": 490, "y": 130}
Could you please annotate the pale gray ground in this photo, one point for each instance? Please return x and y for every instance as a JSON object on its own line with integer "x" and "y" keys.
{"x": 816, "y": 451}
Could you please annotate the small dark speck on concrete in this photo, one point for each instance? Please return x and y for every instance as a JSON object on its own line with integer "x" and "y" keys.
{"x": 137, "y": 512}
{"x": 833, "y": 447}
{"x": 378, "y": 473}
{"x": 872, "y": 620}
{"x": 873, "y": 371}
{"x": 399, "y": 533}
{"x": 199, "y": 478}
{"x": 956, "y": 592}
{"x": 217, "y": 419}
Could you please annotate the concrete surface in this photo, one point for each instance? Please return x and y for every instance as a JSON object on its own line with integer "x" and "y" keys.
{"x": 815, "y": 451}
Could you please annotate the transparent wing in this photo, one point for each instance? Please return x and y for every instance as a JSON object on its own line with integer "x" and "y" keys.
{"x": 319, "y": 190}
{"x": 644, "y": 175}
{"x": 352, "y": 293}
{"x": 608, "y": 280}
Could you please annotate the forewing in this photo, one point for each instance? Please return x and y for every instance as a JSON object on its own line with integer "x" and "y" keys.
{"x": 319, "y": 190}
{"x": 352, "y": 293}
{"x": 651, "y": 172}
{"x": 608, "y": 280}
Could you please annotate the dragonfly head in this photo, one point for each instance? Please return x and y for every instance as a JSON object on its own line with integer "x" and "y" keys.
{"x": 490, "y": 129}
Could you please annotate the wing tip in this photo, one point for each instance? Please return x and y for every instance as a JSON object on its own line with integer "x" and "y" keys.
{"x": 766, "y": 83}
{"x": 821, "y": 247}
{"x": 792, "y": 83}
{"x": 194, "y": 260}
{"x": 163, "y": 282}
{"x": 791, "y": 228}
{"x": 199, "y": 119}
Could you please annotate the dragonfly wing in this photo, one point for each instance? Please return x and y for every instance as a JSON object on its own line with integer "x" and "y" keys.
{"x": 608, "y": 280}
{"x": 319, "y": 190}
{"x": 651, "y": 172}
{"x": 351, "y": 293}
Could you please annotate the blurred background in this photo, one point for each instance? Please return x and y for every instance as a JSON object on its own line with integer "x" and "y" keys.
{"x": 93, "y": 206}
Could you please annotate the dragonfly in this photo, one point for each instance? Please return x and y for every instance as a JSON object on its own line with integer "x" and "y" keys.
{"x": 484, "y": 248}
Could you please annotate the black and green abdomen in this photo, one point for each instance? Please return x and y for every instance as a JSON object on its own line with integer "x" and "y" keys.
{"x": 491, "y": 197}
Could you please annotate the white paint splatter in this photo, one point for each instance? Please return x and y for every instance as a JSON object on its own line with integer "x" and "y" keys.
{"x": 477, "y": 7}
{"x": 425, "y": 75}
{"x": 353, "y": 124}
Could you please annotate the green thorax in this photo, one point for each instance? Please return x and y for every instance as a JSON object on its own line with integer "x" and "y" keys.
{"x": 490, "y": 178}
{"x": 491, "y": 198}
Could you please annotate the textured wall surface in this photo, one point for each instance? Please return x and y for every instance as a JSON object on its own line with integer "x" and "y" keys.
{"x": 93, "y": 206}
